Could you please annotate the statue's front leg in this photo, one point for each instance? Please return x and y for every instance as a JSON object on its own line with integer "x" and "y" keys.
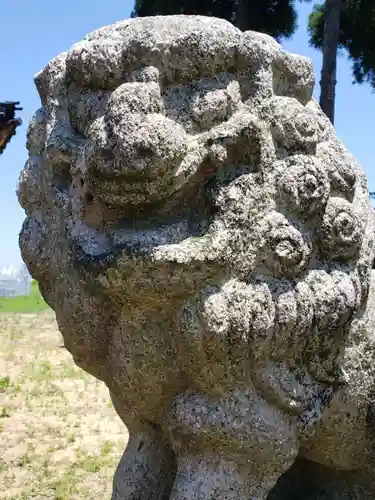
{"x": 147, "y": 467}
{"x": 212, "y": 477}
{"x": 232, "y": 448}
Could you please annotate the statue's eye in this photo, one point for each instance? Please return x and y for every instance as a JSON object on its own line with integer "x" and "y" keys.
{"x": 145, "y": 152}
{"x": 204, "y": 103}
{"x": 62, "y": 177}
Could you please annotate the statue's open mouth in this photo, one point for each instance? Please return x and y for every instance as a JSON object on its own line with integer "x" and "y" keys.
{"x": 93, "y": 247}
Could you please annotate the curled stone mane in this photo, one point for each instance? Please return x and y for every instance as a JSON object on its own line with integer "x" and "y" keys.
{"x": 202, "y": 235}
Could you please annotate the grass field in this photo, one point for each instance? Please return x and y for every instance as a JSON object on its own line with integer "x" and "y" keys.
{"x": 60, "y": 438}
{"x": 31, "y": 303}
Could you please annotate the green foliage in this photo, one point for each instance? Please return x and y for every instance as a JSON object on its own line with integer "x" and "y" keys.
{"x": 4, "y": 383}
{"x": 4, "y": 413}
{"x": 357, "y": 36}
{"x": 277, "y": 18}
{"x": 32, "y": 303}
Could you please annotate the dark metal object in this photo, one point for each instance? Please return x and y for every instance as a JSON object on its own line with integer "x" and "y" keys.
{"x": 8, "y": 122}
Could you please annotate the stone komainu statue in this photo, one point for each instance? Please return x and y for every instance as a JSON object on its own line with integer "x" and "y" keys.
{"x": 8, "y": 122}
{"x": 206, "y": 242}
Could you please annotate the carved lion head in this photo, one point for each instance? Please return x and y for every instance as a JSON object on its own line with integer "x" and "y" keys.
{"x": 191, "y": 213}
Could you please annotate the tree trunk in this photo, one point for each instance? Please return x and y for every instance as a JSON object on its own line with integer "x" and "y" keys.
{"x": 330, "y": 48}
{"x": 242, "y": 15}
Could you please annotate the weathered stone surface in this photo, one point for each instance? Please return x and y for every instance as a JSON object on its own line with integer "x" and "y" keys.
{"x": 206, "y": 242}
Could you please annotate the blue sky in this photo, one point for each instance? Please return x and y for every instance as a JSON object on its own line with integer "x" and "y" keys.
{"x": 32, "y": 32}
